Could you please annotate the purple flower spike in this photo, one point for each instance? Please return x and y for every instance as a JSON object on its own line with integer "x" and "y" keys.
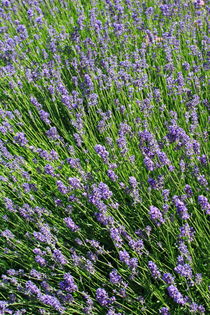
{"x": 71, "y": 225}
{"x": 115, "y": 277}
{"x": 20, "y": 139}
{"x": 154, "y": 270}
{"x": 176, "y": 295}
{"x": 204, "y": 203}
{"x": 68, "y": 283}
{"x": 181, "y": 208}
{"x": 184, "y": 270}
{"x": 52, "y": 301}
{"x": 102, "y": 297}
{"x": 156, "y": 215}
{"x": 164, "y": 311}
{"x": 101, "y": 150}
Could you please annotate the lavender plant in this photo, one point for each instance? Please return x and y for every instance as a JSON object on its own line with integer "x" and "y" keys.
{"x": 104, "y": 157}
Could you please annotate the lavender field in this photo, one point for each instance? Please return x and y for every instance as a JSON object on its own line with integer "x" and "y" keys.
{"x": 104, "y": 157}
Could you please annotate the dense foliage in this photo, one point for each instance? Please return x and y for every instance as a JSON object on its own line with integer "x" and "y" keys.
{"x": 104, "y": 157}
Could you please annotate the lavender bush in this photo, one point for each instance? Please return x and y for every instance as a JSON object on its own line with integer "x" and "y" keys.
{"x": 104, "y": 157}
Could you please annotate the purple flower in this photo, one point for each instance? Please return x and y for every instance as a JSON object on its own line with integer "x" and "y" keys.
{"x": 154, "y": 270}
{"x": 9, "y": 205}
{"x": 74, "y": 163}
{"x": 168, "y": 278}
{"x": 74, "y": 182}
{"x": 41, "y": 237}
{"x": 111, "y": 311}
{"x": 89, "y": 301}
{"x": 133, "y": 182}
{"x": 156, "y": 215}
{"x": 89, "y": 83}
{"x": 181, "y": 208}
{"x": 68, "y": 283}
{"x": 176, "y": 295}
{"x": 71, "y": 225}
{"x": 124, "y": 257}
{"x": 44, "y": 116}
{"x": 149, "y": 11}
{"x": 28, "y": 187}
{"x": 164, "y": 311}
{"x": 21, "y": 29}
{"x": 40, "y": 260}
{"x": 184, "y": 253}
{"x": 202, "y": 180}
{"x": 115, "y": 277}
{"x": 115, "y": 234}
{"x": 184, "y": 270}
{"x": 52, "y": 301}
{"x": 35, "y": 102}
{"x": 49, "y": 170}
{"x": 201, "y": 309}
{"x": 203, "y": 159}
{"x": 148, "y": 230}
{"x": 93, "y": 99}
{"x": 188, "y": 190}
{"x": 59, "y": 257}
{"x": 102, "y": 297}
{"x": 32, "y": 288}
{"x": 52, "y": 133}
{"x": 149, "y": 164}
{"x": 101, "y": 150}
{"x": 204, "y": 203}
{"x": 54, "y": 155}
{"x": 7, "y": 234}
{"x": 137, "y": 246}
{"x": 20, "y": 139}
{"x": 112, "y": 175}
{"x": 198, "y": 278}
{"x": 104, "y": 191}
{"x": 133, "y": 263}
{"x": 12, "y": 272}
{"x": 3, "y": 306}
{"x": 36, "y": 274}
{"x": 199, "y": 3}
{"x": 187, "y": 231}
{"x": 163, "y": 158}
{"x": 165, "y": 194}
{"x": 39, "y": 20}
{"x": 3, "y": 179}
{"x": 61, "y": 187}
{"x": 197, "y": 308}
